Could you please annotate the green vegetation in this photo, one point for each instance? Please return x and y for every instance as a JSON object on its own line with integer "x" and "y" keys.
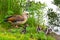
{"x": 57, "y": 2}
{"x": 14, "y": 34}
{"x": 53, "y": 17}
{"x": 12, "y": 7}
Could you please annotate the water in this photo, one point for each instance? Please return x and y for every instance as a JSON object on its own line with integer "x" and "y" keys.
{"x": 56, "y": 30}
{"x": 55, "y": 8}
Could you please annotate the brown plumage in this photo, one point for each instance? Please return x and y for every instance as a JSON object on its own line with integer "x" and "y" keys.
{"x": 18, "y": 19}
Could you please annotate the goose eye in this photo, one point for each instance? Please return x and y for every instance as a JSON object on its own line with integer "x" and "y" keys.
{"x": 27, "y": 14}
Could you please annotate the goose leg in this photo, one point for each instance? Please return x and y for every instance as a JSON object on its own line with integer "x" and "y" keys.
{"x": 16, "y": 26}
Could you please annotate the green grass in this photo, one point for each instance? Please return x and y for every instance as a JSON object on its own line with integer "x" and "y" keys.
{"x": 8, "y": 8}
{"x": 15, "y": 34}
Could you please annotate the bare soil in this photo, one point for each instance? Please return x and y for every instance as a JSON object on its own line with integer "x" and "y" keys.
{"x": 57, "y": 37}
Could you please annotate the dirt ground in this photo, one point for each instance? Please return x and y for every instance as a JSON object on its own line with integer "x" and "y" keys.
{"x": 57, "y": 37}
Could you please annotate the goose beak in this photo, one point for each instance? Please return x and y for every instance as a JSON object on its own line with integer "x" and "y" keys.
{"x": 26, "y": 13}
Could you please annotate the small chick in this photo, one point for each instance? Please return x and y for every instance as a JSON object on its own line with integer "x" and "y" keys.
{"x": 17, "y": 19}
{"x": 38, "y": 29}
{"x": 48, "y": 31}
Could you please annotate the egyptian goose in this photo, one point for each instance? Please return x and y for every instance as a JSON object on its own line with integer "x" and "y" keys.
{"x": 17, "y": 19}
